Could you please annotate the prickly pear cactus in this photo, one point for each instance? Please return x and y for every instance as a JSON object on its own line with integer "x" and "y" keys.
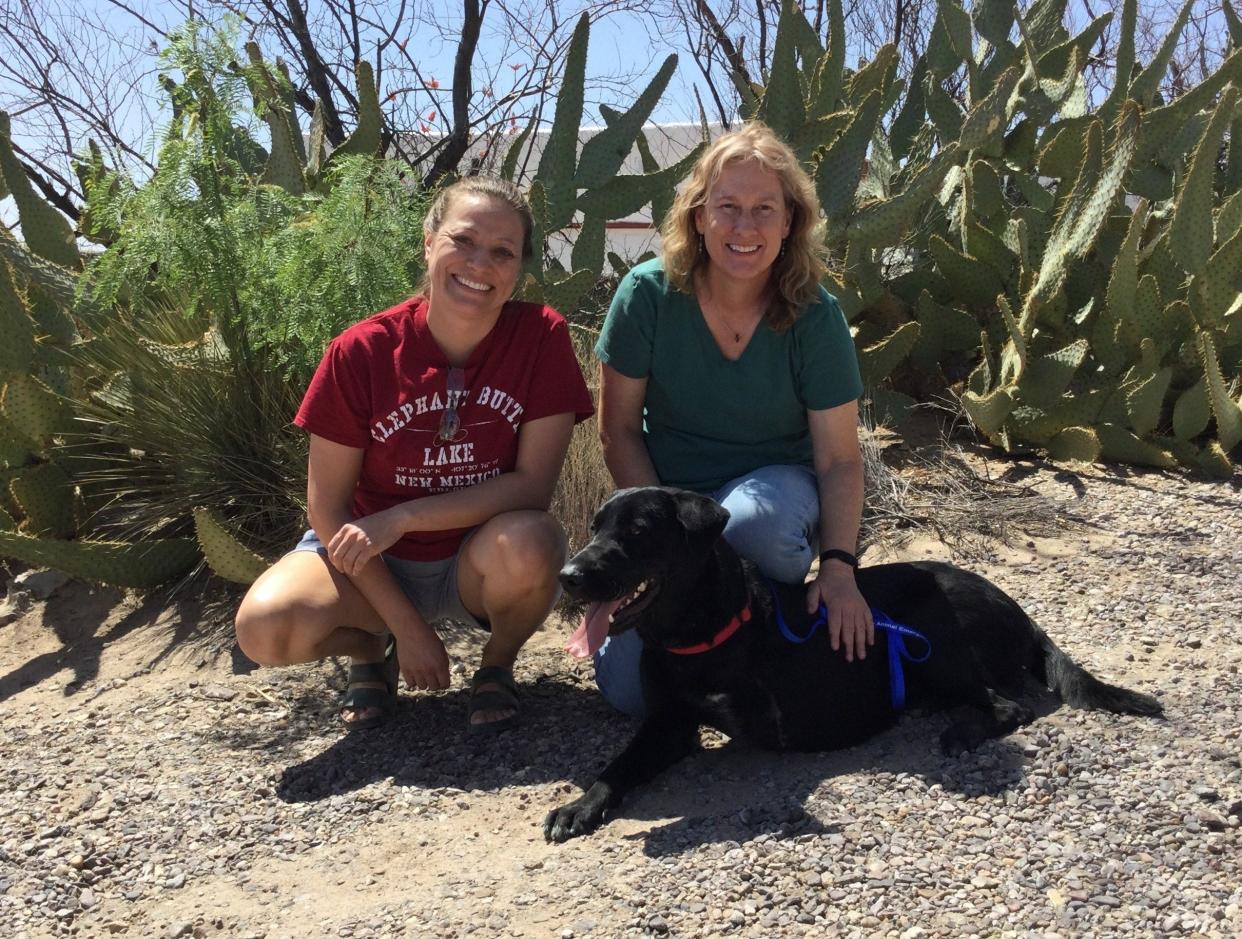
{"x": 1015, "y": 225}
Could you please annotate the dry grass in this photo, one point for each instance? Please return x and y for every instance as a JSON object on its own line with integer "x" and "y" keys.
{"x": 936, "y": 491}
{"x": 584, "y": 482}
{"x": 583, "y": 486}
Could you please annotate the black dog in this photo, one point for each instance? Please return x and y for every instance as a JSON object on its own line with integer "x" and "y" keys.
{"x": 706, "y": 661}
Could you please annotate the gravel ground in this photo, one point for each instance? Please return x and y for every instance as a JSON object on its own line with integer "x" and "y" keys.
{"x": 147, "y": 790}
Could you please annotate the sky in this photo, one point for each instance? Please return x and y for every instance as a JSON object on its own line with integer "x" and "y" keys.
{"x": 622, "y": 44}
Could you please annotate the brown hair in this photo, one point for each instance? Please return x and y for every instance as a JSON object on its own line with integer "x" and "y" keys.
{"x": 797, "y": 272}
{"x": 492, "y": 188}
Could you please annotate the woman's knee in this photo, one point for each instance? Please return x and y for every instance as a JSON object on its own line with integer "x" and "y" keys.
{"x": 772, "y": 520}
{"x": 784, "y": 556}
{"x": 273, "y": 614}
{"x": 529, "y": 547}
{"x": 262, "y": 625}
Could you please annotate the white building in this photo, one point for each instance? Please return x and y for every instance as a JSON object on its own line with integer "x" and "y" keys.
{"x": 629, "y": 237}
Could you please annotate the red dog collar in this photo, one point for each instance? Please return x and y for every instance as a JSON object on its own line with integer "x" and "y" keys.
{"x": 734, "y": 625}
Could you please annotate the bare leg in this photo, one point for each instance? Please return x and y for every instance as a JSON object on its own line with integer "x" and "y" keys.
{"x": 297, "y": 611}
{"x": 507, "y": 577}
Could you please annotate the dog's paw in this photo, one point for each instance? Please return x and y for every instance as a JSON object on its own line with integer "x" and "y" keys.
{"x": 580, "y": 817}
{"x": 958, "y": 739}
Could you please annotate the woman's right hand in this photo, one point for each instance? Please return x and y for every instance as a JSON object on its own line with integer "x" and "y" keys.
{"x": 356, "y": 542}
{"x": 423, "y": 659}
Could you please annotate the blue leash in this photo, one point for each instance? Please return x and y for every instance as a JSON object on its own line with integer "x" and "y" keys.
{"x": 897, "y": 649}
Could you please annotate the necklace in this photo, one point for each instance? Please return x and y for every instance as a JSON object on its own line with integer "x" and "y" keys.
{"x": 714, "y": 312}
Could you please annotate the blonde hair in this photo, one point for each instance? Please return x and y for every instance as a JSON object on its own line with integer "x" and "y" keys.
{"x": 491, "y": 188}
{"x": 797, "y": 272}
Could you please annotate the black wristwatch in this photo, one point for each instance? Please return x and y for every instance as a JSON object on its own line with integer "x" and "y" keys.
{"x": 836, "y": 554}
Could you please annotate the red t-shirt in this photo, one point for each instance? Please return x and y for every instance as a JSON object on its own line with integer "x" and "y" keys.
{"x": 382, "y": 386}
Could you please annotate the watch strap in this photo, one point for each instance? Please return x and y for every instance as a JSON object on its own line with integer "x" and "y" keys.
{"x": 837, "y": 554}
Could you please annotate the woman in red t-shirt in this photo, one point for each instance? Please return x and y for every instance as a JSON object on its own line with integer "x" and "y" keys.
{"x": 437, "y": 433}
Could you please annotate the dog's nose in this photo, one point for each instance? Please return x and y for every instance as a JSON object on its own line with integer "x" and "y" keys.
{"x": 571, "y": 577}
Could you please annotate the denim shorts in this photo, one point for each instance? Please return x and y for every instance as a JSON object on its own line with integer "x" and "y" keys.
{"x": 773, "y": 520}
{"x": 430, "y": 585}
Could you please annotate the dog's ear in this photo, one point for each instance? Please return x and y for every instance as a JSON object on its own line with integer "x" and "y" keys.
{"x": 702, "y": 518}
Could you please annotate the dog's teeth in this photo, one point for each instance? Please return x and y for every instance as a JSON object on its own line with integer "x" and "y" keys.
{"x": 641, "y": 587}
{"x": 612, "y": 618}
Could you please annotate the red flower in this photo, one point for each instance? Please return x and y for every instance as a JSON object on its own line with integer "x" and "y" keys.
{"x": 431, "y": 115}
{"x": 433, "y": 84}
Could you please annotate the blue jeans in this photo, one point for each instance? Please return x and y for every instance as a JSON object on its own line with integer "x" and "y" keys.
{"x": 773, "y": 521}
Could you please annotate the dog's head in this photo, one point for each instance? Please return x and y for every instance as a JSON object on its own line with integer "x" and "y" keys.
{"x": 646, "y": 545}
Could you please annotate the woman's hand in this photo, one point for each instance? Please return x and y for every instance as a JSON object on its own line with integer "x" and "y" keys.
{"x": 356, "y": 542}
{"x": 423, "y": 659}
{"x": 849, "y": 617}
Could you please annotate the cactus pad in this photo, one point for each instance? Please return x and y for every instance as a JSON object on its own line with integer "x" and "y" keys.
{"x": 988, "y": 412}
{"x": 1075, "y": 445}
{"x": 44, "y": 229}
{"x": 1191, "y": 235}
{"x": 226, "y": 556}
{"x": 45, "y": 496}
{"x": 1192, "y": 412}
{"x": 17, "y": 350}
{"x": 1226, "y": 411}
{"x": 33, "y": 410}
{"x": 120, "y": 564}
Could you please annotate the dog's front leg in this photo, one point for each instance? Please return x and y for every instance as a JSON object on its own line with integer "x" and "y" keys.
{"x": 661, "y": 741}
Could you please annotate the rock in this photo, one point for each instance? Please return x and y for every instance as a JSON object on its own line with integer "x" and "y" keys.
{"x": 1212, "y": 821}
{"x": 178, "y": 928}
{"x": 41, "y": 583}
{"x": 219, "y": 693}
{"x": 13, "y": 606}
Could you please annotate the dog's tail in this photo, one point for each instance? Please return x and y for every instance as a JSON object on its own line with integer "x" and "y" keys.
{"x": 1079, "y": 688}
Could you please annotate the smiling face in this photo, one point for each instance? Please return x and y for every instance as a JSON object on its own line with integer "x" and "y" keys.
{"x": 743, "y": 222}
{"x": 474, "y": 257}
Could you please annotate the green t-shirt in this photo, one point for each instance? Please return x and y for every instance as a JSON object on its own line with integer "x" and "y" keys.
{"x": 707, "y": 420}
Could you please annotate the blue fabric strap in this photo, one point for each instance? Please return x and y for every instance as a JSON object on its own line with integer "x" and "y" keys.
{"x": 897, "y": 650}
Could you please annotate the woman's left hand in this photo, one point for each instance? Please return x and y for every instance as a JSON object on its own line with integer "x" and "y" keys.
{"x": 356, "y": 542}
{"x": 849, "y": 617}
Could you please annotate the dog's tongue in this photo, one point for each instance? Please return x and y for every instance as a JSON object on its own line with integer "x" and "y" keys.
{"x": 588, "y": 637}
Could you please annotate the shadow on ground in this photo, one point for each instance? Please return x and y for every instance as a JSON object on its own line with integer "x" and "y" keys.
{"x": 726, "y": 792}
{"x": 85, "y": 620}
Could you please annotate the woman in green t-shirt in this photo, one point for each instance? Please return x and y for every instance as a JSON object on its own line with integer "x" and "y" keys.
{"x": 728, "y": 369}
